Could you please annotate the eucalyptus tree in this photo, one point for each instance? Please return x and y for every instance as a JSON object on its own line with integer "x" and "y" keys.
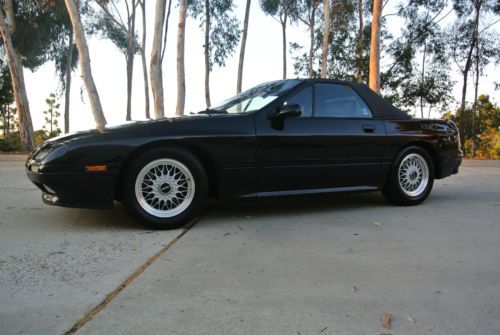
{"x": 86, "y": 70}
{"x": 7, "y": 29}
{"x": 6, "y": 98}
{"x": 221, "y": 31}
{"x": 181, "y": 76}
{"x": 326, "y": 38}
{"x": 122, "y": 32}
{"x": 340, "y": 41}
{"x": 342, "y": 57}
{"x": 420, "y": 73}
{"x": 487, "y": 50}
{"x": 280, "y": 10}
{"x": 305, "y": 11}
{"x": 33, "y": 33}
{"x": 359, "y": 44}
{"x": 374, "y": 74}
{"x": 242, "y": 48}
{"x": 162, "y": 16}
{"x": 142, "y": 4}
{"x": 474, "y": 19}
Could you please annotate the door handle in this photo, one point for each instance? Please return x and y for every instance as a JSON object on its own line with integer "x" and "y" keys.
{"x": 368, "y": 128}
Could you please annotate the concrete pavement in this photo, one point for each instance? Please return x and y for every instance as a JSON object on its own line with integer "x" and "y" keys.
{"x": 57, "y": 263}
{"x": 320, "y": 265}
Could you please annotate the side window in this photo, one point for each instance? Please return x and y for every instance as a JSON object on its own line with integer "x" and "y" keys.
{"x": 304, "y": 100}
{"x": 334, "y": 100}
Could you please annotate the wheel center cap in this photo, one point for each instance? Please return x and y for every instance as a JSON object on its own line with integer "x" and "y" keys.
{"x": 165, "y": 188}
{"x": 413, "y": 175}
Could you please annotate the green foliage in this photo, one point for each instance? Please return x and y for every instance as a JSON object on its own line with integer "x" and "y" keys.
{"x": 9, "y": 139}
{"x": 224, "y": 33}
{"x": 419, "y": 73}
{"x": 6, "y": 90}
{"x": 12, "y": 142}
{"x": 61, "y": 61}
{"x": 41, "y": 30}
{"x": 51, "y": 115}
{"x": 40, "y": 136}
{"x": 9, "y": 120}
{"x": 484, "y": 126}
{"x": 277, "y": 7}
{"x": 460, "y": 35}
{"x": 342, "y": 62}
{"x": 489, "y": 144}
{"x": 103, "y": 26}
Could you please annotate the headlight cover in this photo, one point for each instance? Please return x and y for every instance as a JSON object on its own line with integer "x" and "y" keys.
{"x": 52, "y": 154}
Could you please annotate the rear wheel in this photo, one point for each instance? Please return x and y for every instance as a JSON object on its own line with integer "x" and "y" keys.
{"x": 411, "y": 178}
{"x": 165, "y": 188}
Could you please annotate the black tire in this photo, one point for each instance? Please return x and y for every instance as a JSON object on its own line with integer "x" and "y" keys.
{"x": 394, "y": 190}
{"x": 165, "y": 190}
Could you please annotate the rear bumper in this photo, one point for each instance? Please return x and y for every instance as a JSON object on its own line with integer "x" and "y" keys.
{"x": 80, "y": 190}
{"x": 450, "y": 164}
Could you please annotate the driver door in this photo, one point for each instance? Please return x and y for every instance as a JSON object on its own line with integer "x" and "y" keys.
{"x": 334, "y": 144}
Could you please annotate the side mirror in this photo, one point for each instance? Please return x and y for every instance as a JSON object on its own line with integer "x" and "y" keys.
{"x": 287, "y": 111}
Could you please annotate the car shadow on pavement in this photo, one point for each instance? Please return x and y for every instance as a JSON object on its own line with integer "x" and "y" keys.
{"x": 90, "y": 219}
{"x": 299, "y": 205}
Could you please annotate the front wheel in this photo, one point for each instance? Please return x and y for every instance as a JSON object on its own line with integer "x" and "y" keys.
{"x": 165, "y": 188}
{"x": 411, "y": 178}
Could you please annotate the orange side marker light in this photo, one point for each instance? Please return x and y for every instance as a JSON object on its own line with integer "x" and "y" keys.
{"x": 96, "y": 168}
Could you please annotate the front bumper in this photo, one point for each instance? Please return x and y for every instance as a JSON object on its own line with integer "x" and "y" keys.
{"x": 76, "y": 189}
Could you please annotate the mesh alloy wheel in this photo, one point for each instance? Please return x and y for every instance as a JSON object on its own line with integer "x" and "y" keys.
{"x": 413, "y": 175}
{"x": 164, "y": 188}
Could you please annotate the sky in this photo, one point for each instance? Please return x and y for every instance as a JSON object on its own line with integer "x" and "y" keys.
{"x": 263, "y": 62}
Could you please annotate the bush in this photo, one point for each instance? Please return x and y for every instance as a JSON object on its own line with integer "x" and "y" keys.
{"x": 11, "y": 142}
{"x": 40, "y": 136}
{"x": 489, "y": 144}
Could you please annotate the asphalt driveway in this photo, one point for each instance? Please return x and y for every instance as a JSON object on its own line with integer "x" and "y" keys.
{"x": 320, "y": 265}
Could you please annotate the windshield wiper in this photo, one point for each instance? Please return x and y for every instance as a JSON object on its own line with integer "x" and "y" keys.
{"x": 211, "y": 111}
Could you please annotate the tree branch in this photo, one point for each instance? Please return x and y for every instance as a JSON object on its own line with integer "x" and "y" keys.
{"x": 166, "y": 30}
{"x": 106, "y": 11}
{"x": 431, "y": 24}
{"x": 489, "y": 26}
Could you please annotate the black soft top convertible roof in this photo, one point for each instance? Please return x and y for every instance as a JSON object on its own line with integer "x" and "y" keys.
{"x": 381, "y": 108}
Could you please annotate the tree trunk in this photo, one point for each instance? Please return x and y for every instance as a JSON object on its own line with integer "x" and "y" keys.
{"x": 207, "y": 53}
{"x": 130, "y": 58}
{"x": 359, "y": 45}
{"x": 51, "y": 121}
{"x": 374, "y": 77}
{"x": 165, "y": 33}
{"x": 83, "y": 51}
{"x": 474, "y": 106}
{"x": 465, "y": 73}
{"x": 311, "y": 32}
{"x": 326, "y": 38}
{"x": 422, "y": 78}
{"x": 130, "y": 64}
{"x": 242, "y": 49}
{"x": 156, "y": 75}
{"x": 67, "y": 93}
{"x": 283, "y": 33}
{"x": 143, "y": 59}
{"x": 181, "y": 78}
{"x": 16, "y": 73}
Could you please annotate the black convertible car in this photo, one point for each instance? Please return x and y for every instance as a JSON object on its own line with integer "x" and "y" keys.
{"x": 280, "y": 138}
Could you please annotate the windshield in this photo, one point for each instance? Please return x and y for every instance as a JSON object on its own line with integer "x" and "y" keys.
{"x": 256, "y": 97}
